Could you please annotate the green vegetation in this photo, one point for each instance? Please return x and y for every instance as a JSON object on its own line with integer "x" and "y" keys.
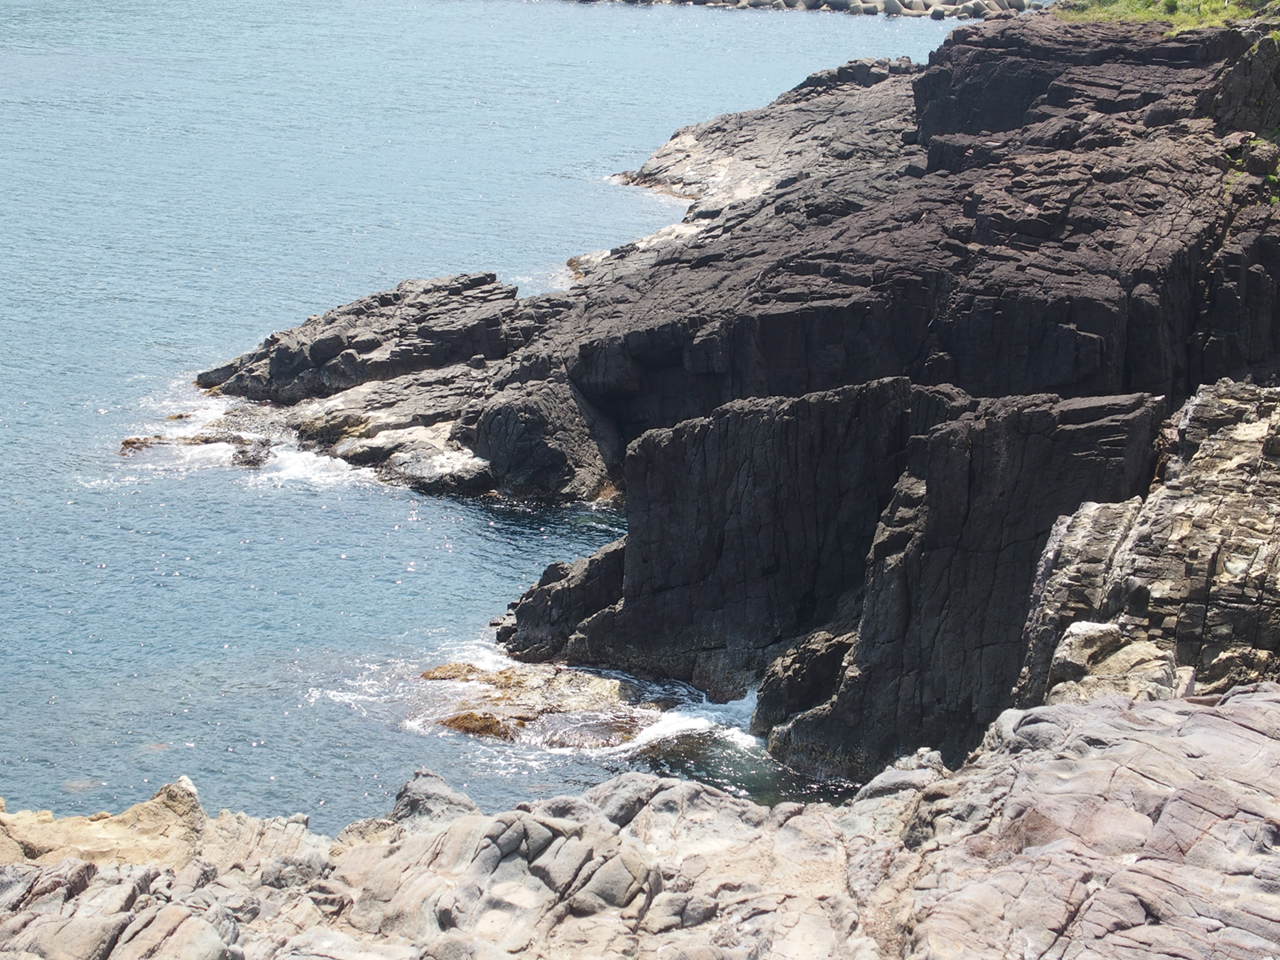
{"x": 1182, "y": 14}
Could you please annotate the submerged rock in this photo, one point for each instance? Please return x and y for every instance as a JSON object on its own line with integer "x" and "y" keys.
{"x": 483, "y": 724}
{"x": 913, "y": 315}
{"x": 549, "y": 705}
{"x": 131, "y": 445}
{"x": 248, "y": 450}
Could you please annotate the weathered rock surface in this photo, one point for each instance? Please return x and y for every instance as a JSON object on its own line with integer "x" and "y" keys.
{"x": 1085, "y": 210}
{"x": 1112, "y": 829}
{"x": 419, "y": 325}
{"x": 1082, "y": 222}
{"x": 1082, "y": 253}
{"x": 1189, "y": 573}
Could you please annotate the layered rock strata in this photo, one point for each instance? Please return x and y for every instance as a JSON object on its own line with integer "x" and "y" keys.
{"x": 1109, "y": 830}
{"x": 899, "y": 611}
{"x": 912, "y": 317}
{"x": 1185, "y": 578}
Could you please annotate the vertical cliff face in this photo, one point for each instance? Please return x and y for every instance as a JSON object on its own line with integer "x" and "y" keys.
{"x": 748, "y": 527}
{"x": 888, "y": 532}
{"x": 939, "y": 642}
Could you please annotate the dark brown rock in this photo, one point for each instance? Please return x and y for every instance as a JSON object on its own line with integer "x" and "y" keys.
{"x": 746, "y": 530}
{"x": 939, "y": 642}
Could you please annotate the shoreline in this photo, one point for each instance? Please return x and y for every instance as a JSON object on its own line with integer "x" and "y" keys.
{"x": 936, "y": 9}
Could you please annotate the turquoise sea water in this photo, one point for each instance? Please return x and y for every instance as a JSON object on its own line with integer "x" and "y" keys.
{"x": 181, "y": 178}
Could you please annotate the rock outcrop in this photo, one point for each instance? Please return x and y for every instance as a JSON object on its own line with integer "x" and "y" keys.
{"x": 899, "y": 525}
{"x": 1111, "y": 830}
{"x": 913, "y": 316}
{"x": 746, "y": 529}
{"x": 1186, "y": 575}
{"x": 888, "y": 412}
{"x": 1076, "y": 209}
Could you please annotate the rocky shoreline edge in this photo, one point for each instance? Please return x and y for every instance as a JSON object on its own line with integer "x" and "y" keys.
{"x": 1119, "y": 828}
{"x": 944, "y": 416}
{"x": 935, "y": 9}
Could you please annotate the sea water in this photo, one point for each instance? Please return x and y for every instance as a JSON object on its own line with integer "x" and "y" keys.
{"x": 181, "y": 178}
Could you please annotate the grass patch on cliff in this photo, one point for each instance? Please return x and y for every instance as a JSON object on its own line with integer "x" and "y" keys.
{"x": 1180, "y": 14}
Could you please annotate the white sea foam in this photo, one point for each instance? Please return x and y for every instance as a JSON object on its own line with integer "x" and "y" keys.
{"x": 347, "y": 698}
{"x": 544, "y": 281}
{"x": 728, "y": 721}
{"x": 180, "y": 410}
{"x": 289, "y": 465}
{"x": 181, "y": 398}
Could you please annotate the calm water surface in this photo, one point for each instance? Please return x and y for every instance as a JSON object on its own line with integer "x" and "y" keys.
{"x": 180, "y": 179}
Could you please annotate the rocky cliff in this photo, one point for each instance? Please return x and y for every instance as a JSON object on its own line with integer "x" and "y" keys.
{"x": 917, "y": 413}
{"x": 1079, "y": 210}
{"x": 876, "y": 567}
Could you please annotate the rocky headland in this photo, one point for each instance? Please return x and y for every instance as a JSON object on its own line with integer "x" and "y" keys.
{"x": 943, "y": 419}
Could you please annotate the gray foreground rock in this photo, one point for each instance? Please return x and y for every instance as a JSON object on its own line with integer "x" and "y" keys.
{"x": 1115, "y": 829}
